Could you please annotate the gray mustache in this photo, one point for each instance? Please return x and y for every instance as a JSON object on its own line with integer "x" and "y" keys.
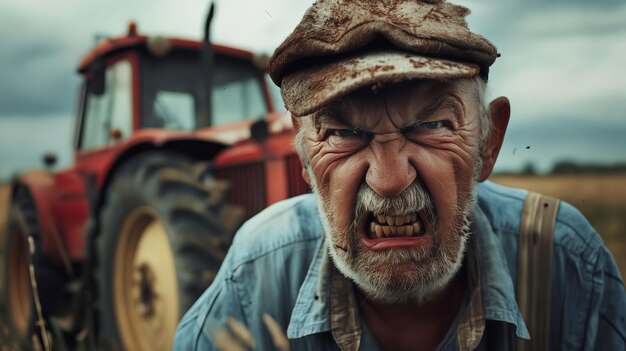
{"x": 414, "y": 198}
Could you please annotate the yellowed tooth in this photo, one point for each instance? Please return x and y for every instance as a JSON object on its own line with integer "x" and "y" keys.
{"x": 417, "y": 227}
{"x": 399, "y": 220}
{"x": 407, "y": 218}
{"x": 372, "y": 228}
{"x": 413, "y": 217}
{"x": 390, "y": 220}
{"x": 386, "y": 230}
{"x": 379, "y": 231}
{"x": 381, "y": 219}
{"x": 408, "y": 230}
{"x": 394, "y": 229}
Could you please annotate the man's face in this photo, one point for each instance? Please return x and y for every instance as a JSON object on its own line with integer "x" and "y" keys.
{"x": 395, "y": 172}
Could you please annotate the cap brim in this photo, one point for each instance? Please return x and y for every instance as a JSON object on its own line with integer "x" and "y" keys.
{"x": 310, "y": 89}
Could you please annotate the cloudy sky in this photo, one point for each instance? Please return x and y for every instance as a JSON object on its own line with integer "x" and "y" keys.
{"x": 563, "y": 66}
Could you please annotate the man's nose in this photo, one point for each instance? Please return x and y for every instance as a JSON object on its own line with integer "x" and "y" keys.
{"x": 390, "y": 170}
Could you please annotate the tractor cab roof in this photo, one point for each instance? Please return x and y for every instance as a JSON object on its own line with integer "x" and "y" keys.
{"x": 133, "y": 41}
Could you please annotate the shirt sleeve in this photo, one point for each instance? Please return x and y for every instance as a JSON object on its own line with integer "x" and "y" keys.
{"x": 208, "y": 316}
{"x": 608, "y": 321}
{"x": 588, "y": 296}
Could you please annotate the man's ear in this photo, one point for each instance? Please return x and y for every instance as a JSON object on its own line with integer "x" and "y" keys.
{"x": 305, "y": 175}
{"x": 295, "y": 121}
{"x": 500, "y": 111}
{"x": 297, "y": 124}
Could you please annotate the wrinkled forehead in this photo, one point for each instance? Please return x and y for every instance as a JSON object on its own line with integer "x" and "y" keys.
{"x": 407, "y": 100}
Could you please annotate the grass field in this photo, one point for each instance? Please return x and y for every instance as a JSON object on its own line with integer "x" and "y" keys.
{"x": 601, "y": 198}
{"x": 4, "y": 204}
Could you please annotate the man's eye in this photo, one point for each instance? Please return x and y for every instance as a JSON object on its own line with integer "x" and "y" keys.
{"x": 349, "y": 138}
{"x": 435, "y": 125}
{"x": 344, "y": 133}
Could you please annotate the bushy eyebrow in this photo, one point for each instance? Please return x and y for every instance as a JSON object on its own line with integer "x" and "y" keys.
{"x": 333, "y": 113}
{"x": 329, "y": 114}
{"x": 443, "y": 100}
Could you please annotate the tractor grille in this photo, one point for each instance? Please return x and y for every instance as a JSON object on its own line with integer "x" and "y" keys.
{"x": 296, "y": 184}
{"x": 247, "y": 186}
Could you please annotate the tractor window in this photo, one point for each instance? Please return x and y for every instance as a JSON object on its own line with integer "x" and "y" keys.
{"x": 236, "y": 101}
{"x": 174, "y": 91}
{"x": 176, "y": 110}
{"x": 109, "y": 114}
{"x": 274, "y": 90}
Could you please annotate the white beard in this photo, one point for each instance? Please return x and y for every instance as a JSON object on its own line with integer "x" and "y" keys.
{"x": 376, "y": 272}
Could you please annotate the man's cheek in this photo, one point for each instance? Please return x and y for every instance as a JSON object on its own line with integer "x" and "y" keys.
{"x": 464, "y": 162}
{"x": 340, "y": 183}
{"x": 459, "y": 150}
{"x": 326, "y": 160}
{"x": 441, "y": 171}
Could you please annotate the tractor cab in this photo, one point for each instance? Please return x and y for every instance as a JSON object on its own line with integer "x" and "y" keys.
{"x": 176, "y": 144}
{"x": 138, "y": 82}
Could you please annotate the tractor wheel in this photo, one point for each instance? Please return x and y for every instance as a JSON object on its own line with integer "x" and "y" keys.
{"x": 163, "y": 235}
{"x": 18, "y": 311}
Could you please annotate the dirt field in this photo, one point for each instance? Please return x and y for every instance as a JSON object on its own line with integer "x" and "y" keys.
{"x": 602, "y": 198}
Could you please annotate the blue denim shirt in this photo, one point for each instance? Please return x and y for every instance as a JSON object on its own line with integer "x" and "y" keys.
{"x": 277, "y": 262}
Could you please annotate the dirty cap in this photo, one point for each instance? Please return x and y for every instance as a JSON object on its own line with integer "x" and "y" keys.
{"x": 343, "y": 45}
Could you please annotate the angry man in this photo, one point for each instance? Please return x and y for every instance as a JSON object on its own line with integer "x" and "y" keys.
{"x": 403, "y": 245}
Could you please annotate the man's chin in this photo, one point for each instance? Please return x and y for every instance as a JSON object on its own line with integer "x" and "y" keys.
{"x": 399, "y": 275}
{"x": 396, "y": 288}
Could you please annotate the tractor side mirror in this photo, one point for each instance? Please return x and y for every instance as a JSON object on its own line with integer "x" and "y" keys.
{"x": 259, "y": 131}
{"x": 49, "y": 159}
{"x": 116, "y": 134}
{"x": 97, "y": 82}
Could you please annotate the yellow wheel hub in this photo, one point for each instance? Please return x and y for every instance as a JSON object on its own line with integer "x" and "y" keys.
{"x": 145, "y": 291}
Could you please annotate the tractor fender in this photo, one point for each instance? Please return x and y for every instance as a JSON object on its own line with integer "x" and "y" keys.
{"x": 40, "y": 185}
{"x": 196, "y": 149}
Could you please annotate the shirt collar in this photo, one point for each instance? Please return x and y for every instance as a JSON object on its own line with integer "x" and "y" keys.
{"x": 311, "y": 312}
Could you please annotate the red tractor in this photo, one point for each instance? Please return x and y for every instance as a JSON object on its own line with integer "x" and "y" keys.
{"x": 123, "y": 241}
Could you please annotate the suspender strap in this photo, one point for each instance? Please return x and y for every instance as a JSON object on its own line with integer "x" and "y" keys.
{"x": 534, "y": 269}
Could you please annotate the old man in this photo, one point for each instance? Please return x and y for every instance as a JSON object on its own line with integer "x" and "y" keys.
{"x": 399, "y": 247}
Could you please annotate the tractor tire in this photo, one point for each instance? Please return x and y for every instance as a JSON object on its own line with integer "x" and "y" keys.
{"x": 17, "y": 297}
{"x": 163, "y": 235}
{"x": 19, "y": 314}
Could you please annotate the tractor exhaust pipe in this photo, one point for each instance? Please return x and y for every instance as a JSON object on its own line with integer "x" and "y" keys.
{"x": 207, "y": 23}
{"x": 206, "y": 108}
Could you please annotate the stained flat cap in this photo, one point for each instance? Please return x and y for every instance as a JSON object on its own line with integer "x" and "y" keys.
{"x": 343, "y": 45}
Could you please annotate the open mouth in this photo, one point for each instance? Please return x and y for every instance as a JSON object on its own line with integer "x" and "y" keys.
{"x": 381, "y": 226}
{"x": 382, "y": 231}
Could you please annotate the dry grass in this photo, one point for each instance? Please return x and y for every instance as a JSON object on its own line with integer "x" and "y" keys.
{"x": 575, "y": 189}
{"x": 4, "y": 212}
{"x": 4, "y": 204}
{"x": 602, "y": 198}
